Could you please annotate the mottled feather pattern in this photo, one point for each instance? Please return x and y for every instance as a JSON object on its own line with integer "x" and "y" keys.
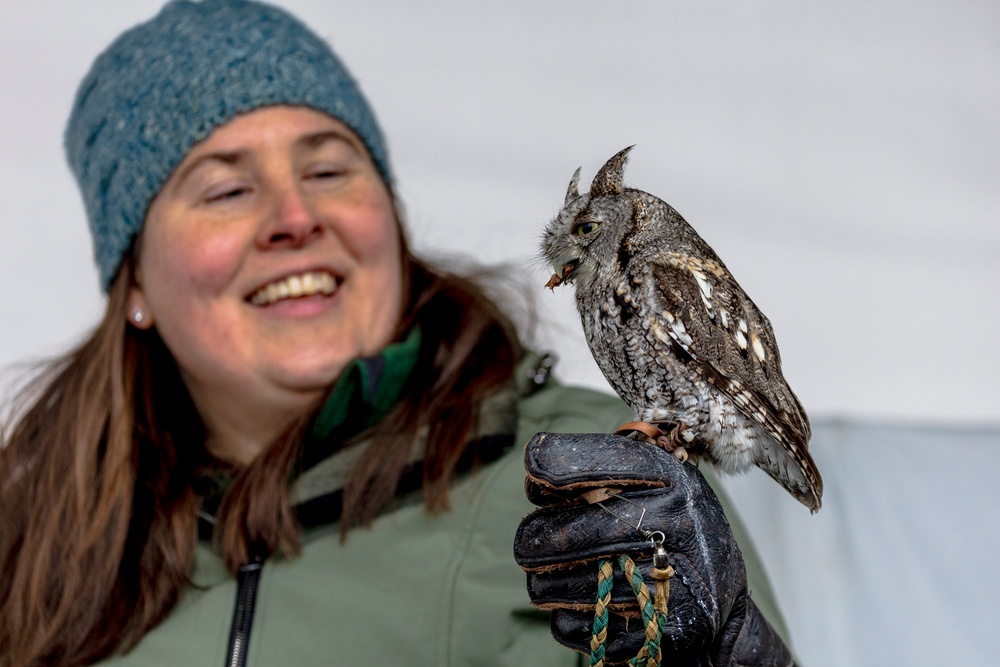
{"x": 674, "y": 333}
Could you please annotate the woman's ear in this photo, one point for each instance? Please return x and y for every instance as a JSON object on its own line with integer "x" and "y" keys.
{"x": 138, "y": 312}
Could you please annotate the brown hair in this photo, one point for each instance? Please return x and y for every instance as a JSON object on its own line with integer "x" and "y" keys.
{"x": 97, "y": 511}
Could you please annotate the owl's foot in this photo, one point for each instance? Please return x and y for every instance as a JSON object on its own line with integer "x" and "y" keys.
{"x": 667, "y": 443}
{"x": 679, "y": 441}
{"x": 676, "y": 442}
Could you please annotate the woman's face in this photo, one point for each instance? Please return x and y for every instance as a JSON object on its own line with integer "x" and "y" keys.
{"x": 268, "y": 261}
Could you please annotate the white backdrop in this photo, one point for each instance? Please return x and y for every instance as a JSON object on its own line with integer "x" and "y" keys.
{"x": 843, "y": 159}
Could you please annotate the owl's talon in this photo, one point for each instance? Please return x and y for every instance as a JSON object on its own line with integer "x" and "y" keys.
{"x": 668, "y": 443}
{"x": 677, "y": 441}
{"x": 680, "y": 434}
{"x": 683, "y": 442}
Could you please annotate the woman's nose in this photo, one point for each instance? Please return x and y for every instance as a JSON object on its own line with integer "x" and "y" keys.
{"x": 291, "y": 222}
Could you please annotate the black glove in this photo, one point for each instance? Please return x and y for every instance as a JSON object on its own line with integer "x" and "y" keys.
{"x": 711, "y": 619}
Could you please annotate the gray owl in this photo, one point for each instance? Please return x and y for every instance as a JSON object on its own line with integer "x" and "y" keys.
{"x": 675, "y": 335}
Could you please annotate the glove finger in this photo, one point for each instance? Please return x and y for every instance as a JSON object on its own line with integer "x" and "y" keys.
{"x": 560, "y": 466}
{"x": 575, "y": 629}
{"x": 565, "y": 534}
{"x": 625, "y": 638}
{"x": 694, "y": 613}
{"x": 691, "y": 601}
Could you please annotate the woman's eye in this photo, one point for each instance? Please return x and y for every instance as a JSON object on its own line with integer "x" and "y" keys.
{"x": 586, "y": 227}
{"x": 225, "y": 192}
{"x": 323, "y": 172}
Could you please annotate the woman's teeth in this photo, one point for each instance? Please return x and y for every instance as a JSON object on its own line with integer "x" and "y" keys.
{"x": 303, "y": 284}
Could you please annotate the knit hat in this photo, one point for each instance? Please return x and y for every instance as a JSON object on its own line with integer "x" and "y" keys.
{"x": 164, "y": 85}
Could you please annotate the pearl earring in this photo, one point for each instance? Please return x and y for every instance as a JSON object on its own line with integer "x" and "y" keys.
{"x": 138, "y": 315}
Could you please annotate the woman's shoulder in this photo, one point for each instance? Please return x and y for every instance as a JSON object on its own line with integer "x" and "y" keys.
{"x": 548, "y": 405}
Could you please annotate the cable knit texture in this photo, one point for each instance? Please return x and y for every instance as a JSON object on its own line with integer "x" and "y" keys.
{"x": 164, "y": 85}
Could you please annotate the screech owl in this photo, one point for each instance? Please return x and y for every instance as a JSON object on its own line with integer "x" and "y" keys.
{"x": 675, "y": 334}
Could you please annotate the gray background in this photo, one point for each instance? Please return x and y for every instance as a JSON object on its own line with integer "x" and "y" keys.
{"x": 842, "y": 158}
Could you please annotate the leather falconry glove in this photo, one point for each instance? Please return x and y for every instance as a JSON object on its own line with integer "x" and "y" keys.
{"x": 594, "y": 490}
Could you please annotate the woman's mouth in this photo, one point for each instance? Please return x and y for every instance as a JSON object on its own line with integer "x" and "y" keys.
{"x": 295, "y": 286}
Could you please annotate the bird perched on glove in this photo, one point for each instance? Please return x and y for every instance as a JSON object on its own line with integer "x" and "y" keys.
{"x": 676, "y": 336}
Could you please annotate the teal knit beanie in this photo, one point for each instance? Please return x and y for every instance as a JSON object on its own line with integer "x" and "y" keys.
{"x": 164, "y": 85}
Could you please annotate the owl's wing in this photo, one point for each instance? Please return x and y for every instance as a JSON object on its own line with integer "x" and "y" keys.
{"x": 712, "y": 321}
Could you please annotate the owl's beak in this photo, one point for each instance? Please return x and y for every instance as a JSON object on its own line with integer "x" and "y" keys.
{"x": 568, "y": 270}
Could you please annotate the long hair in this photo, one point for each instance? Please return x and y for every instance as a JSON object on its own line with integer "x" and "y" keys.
{"x": 98, "y": 518}
{"x": 91, "y": 503}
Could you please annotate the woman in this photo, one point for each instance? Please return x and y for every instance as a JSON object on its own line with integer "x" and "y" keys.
{"x": 274, "y": 369}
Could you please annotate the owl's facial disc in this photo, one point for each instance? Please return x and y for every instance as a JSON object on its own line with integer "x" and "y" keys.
{"x": 567, "y": 239}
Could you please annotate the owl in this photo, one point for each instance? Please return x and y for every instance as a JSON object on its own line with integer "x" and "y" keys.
{"x": 675, "y": 335}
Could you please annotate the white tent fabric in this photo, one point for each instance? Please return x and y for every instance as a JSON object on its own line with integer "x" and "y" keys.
{"x": 900, "y": 566}
{"x": 842, "y": 158}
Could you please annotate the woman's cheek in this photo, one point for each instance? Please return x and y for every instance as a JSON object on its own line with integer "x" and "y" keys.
{"x": 207, "y": 263}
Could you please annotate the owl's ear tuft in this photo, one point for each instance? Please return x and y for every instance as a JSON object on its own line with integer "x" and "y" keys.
{"x": 609, "y": 179}
{"x": 573, "y": 192}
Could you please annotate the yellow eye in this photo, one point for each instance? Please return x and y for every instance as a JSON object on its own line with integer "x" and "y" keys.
{"x": 585, "y": 227}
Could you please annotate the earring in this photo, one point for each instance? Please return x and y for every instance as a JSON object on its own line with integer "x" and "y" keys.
{"x": 138, "y": 315}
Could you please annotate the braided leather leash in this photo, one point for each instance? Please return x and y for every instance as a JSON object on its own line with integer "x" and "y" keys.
{"x": 654, "y": 608}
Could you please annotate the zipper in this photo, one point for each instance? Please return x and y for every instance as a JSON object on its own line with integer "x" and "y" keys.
{"x": 247, "y": 580}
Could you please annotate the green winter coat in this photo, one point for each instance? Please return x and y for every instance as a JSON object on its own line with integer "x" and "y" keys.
{"x": 415, "y": 588}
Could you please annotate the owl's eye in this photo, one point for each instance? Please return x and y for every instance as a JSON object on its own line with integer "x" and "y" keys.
{"x": 585, "y": 227}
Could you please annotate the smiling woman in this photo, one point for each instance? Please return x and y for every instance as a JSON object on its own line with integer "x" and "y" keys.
{"x": 289, "y": 440}
{"x": 269, "y": 260}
